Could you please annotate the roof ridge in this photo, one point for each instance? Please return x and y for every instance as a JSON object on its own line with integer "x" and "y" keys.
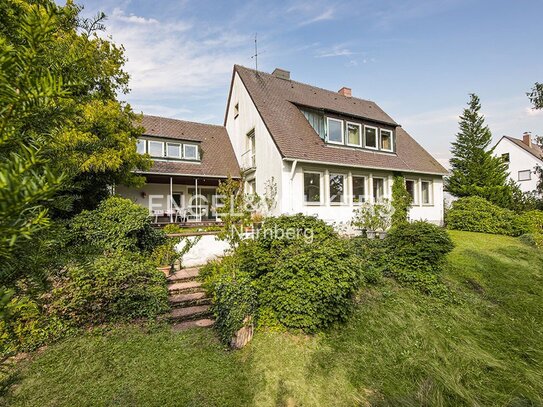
{"x": 183, "y": 120}
{"x": 306, "y": 84}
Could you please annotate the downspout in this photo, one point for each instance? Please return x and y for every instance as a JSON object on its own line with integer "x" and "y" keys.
{"x": 292, "y": 172}
{"x": 171, "y": 198}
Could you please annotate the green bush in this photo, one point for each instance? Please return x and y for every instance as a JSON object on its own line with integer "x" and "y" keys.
{"x": 117, "y": 223}
{"x": 117, "y": 286}
{"x": 475, "y": 214}
{"x": 532, "y": 239}
{"x": 532, "y": 221}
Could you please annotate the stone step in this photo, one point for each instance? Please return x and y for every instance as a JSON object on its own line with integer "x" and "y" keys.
{"x": 184, "y": 275}
{"x": 184, "y": 287}
{"x": 196, "y": 323}
{"x": 190, "y": 313}
{"x": 189, "y": 299}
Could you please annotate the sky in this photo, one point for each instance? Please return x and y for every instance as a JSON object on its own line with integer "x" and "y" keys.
{"x": 418, "y": 60}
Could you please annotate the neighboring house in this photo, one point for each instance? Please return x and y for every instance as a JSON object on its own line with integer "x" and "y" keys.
{"x": 522, "y": 156}
{"x": 327, "y": 152}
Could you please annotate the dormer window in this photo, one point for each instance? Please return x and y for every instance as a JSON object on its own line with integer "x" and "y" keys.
{"x": 173, "y": 150}
{"x": 156, "y": 148}
{"x": 354, "y": 134}
{"x": 386, "y": 140}
{"x": 335, "y": 131}
{"x": 141, "y": 146}
{"x": 370, "y": 137}
{"x": 190, "y": 152}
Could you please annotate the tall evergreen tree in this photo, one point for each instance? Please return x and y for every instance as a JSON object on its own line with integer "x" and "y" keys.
{"x": 475, "y": 170}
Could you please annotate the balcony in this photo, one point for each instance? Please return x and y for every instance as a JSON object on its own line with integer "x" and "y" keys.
{"x": 248, "y": 160}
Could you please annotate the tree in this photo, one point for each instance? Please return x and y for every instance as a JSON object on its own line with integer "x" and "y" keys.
{"x": 475, "y": 170}
{"x": 536, "y": 95}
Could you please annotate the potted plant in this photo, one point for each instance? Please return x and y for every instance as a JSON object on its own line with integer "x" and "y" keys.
{"x": 383, "y": 214}
{"x": 373, "y": 219}
{"x": 257, "y": 218}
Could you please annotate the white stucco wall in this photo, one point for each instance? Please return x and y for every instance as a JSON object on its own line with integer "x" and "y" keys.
{"x": 208, "y": 248}
{"x": 519, "y": 160}
{"x": 268, "y": 160}
{"x": 155, "y": 194}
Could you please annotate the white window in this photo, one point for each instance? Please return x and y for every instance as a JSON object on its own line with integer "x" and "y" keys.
{"x": 312, "y": 188}
{"x": 386, "y": 140}
{"x": 410, "y": 185}
{"x": 251, "y": 186}
{"x": 141, "y": 146}
{"x": 378, "y": 189}
{"x": 190, "y": 152}
{"x": 354, "y": 134}
{"x": 359, "y": 189}
{"x": 335, "y": 131}
{"x": 156, "y": 148}
{"x": 337, "y": 188}
{"x": 173, "y": 150}
{"x": 370, "y": 137}
{"x": 525, "y": 175}
{"x": 426, "y": 192}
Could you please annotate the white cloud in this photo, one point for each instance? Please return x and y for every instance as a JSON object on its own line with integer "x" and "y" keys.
{"x": 327, "y": 14}
{"x": 337, "y": 52}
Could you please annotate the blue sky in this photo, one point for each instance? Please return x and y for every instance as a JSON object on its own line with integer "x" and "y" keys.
{"x": 417, "y": 59}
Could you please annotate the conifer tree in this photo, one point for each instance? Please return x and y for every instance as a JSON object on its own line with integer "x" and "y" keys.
{"x": 475, "y": 171}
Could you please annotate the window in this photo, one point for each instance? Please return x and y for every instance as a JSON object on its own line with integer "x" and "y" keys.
{"x": 190, "y": 151}
{"x": 386, "y": 140}
{"x": 426, "y": 192}
{"x": 251, "y": 187}
{"x": 337, "y": 188}
{"x": 505, "y": 157}
{"x": 316, "y": 120}
{"x": 156, "y": 148}
{"x": 312, "y": 187}
{"x": 525, "y": 175}
{"x": 335, "y": 131}
{"x": 354, "y": 135}
{"x": 359, "y": 189}
{"x": 236, "y": 110}
{"x": 410, "y": 185}
{"x": 173, "y": 150}
{"x": 378, "y": 189}
{"x": 249, "y": 156}
{"x": 140, "y": 146}
{"x": 370, "y": 136}
{"x": 177, "y": 200}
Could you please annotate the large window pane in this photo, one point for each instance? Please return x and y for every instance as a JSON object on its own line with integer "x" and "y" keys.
{"x": 156, "y": 148}
{"x": 140, "y": 146}
{"x": 312, "y": 187}
{"x": 173, "y": 150}
{"x": 410, "y": 186}
{"x": 426, "y": 192}
{"x": 386, "y": 140}
{"x": 335, "y": 131}
{"x": 370, "y": 134}
{"x": 359, "y": 189}
{"x": 337, "y": 188}
{"x": 190, "y": 151}
{"x": 378, "y": 189}
{"x": 353, "y": 134}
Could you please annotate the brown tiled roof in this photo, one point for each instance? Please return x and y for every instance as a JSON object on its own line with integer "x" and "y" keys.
{"x": 277, "y": 101}
{"x": 218, "y": 158}
{"x": 535, "y": 150}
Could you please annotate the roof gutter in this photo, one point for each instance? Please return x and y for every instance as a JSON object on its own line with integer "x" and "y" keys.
{"x": 174, "y": 174}
{"x": 297, "y": 160}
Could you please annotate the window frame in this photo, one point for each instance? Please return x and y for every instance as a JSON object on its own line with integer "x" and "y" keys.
{"x": 365, "y": 196}
{"x": 180, "y": 145}
{"x": 376, "y": 137}
{"x": 328, "y": 119}
{"x": 415, "y": 194}
{"x": 158, "y": 142}
{"x": 524, "y": 171}
{"x": 373, "y": 189}
{"x": 144, "y": 142}
{"x": 360, "y": 135}
{"x": 313, "y": 203}
{"x": 430, "y": 192}
{"x": 342, "y": 200}
{"x": 196, "y": 157}
{"x": 381, "y": 140}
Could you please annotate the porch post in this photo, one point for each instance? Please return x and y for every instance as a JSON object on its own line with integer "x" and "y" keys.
{"x": 199, "y": 216}
{"x": 171, "y": 198}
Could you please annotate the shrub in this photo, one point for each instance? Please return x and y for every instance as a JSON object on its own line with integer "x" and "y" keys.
{"x": 116, "y": 286}
{"x": 401, "y": 201}
{"x": 417, "y": 254}
{"x": 475, "y": 214}
{"x": 117, "y": 223}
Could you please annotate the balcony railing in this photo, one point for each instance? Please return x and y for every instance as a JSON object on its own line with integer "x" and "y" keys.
{"x": 248, "y": 160}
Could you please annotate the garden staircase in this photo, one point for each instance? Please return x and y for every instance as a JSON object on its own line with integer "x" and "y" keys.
{"x": 190, "y": 305}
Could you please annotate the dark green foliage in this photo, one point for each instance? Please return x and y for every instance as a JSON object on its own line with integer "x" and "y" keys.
{"x": 475, "y": 170}
{"x": 536, "y": 95}
{"x": 475, "y": 214}
{"x": 117, "y": 223}
{"x": 401, "y": 201}
{"x": 117, "y": 286}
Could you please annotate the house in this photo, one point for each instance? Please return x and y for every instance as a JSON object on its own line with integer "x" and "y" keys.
{"x": 326, "y": 153}
{"x": 523, "y": 156}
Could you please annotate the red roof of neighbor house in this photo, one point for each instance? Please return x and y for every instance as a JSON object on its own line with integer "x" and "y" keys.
{"x": 278, "y": 100}
{"x": 217, "y": 159}
{"x": 535, "y": 150}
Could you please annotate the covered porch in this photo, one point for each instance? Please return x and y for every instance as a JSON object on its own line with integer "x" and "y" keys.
{"x": 184, "y": 200}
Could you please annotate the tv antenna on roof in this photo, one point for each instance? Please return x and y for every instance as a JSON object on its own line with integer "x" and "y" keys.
{"x": 255, "y": 56}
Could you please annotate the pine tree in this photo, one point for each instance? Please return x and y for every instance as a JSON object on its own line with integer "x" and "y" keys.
{"x": 475, "y": 170}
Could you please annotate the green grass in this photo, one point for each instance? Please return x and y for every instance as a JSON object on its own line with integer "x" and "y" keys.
{"x": 400, "y": 348}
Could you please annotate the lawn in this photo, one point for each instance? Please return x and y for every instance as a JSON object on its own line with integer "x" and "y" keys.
{"x": 400, "y": 348}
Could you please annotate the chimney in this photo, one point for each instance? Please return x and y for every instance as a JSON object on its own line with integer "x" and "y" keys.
{"x": 345, "y": 91}
{"x": 281, "y": 74}
{"x": 527, "y": 139}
